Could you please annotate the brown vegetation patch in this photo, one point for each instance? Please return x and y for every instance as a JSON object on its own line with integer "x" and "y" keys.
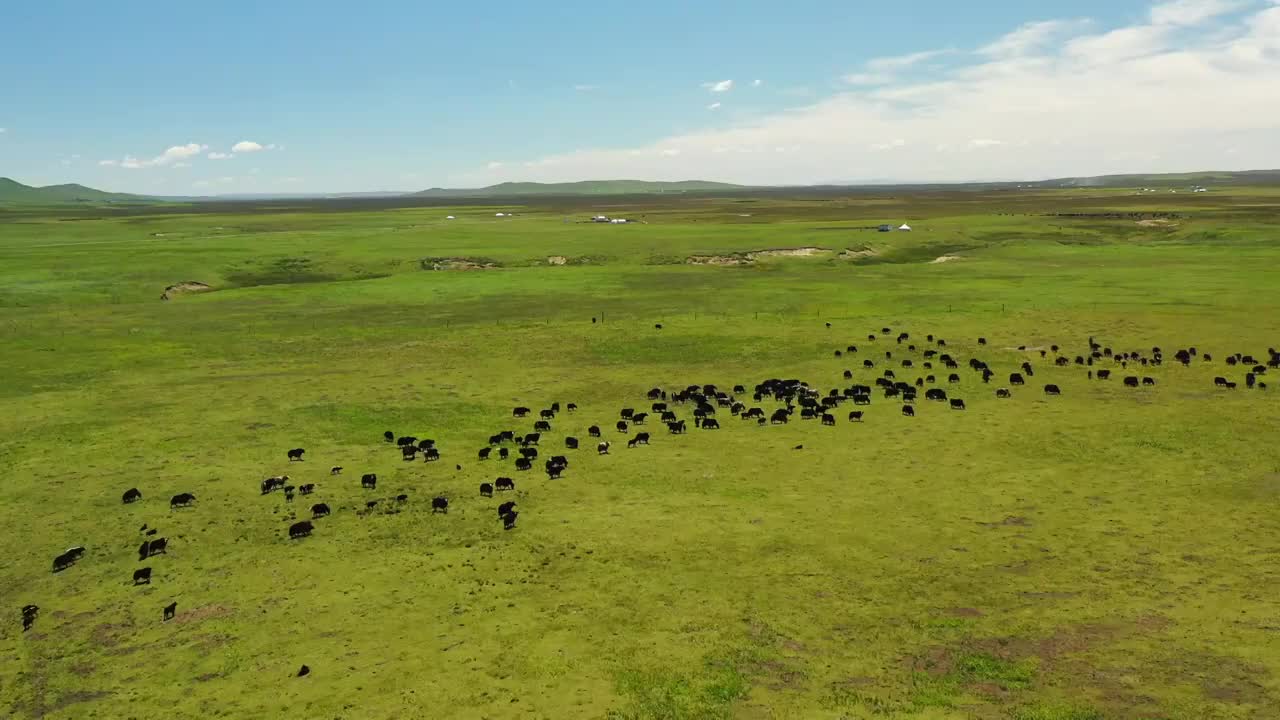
{"x": 718, "y": 260}
{"x": 206, "y": 612}
{"x": 963, "y": 612}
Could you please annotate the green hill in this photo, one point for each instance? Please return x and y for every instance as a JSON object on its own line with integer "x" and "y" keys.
{"x": 13, "y": 192}
{"x": 587, "y": 187}
{"x": 1208, "y": 177}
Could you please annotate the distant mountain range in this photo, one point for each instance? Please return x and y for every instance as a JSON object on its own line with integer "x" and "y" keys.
{"x": 13, "y": 193}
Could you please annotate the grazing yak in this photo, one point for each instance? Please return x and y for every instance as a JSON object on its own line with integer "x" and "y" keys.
{"x": 181, "y": 500}
{"x": 855, "y": 416}
{"x": 622, "y": 426}
{"x": 295, "y": 454}
{"x": 957, "y": 404}
{"x": 300, "y": 529}
{"x": 571, "y": 443}
{"x": 409, "y": 453}
{"x": 828, "y": 419}
{"x": 389, "y": 436}
{"x": 519, "y": 412}
{"x": 529, "y": 453}
{"x": 486, "y": 490}
{"x": 484, "y": 453}
{"x": 509, "y": 519}
{"x": 1003, "y": 393}
{"x": 369, "y": 481}
{"x": 1016, "y": 379}
{"x": 542, "y": 426}
{"x": 319, "y": 510}
{"x": 65, "y": 560}
{"x": 908, "y": 411}
{"x": 710, "y": 424}
{"x": 1052, "y": 390}
{"x": 170, "y": 610}
{"x": 504, "y": 484}
{"x": 439, "y": 504}
{"x": 506, "y": 507}
{"x": 431, "y": 455}
{"x": 594, "y": 431}
{"x": 503, "y": 453}
{"x": 1132, "y": 381}
{"x": 29, "y": 614}
{"x": 131, "y": 495}
{"x": 676, "y": 427}
{"x": 603, "y": 448}
{"x": 523, "y": 464}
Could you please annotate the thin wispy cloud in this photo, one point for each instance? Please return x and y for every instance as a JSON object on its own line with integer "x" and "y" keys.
{"x": 586, "y": 88}
{"x": 220, "y": 156}
{"x": 714, "y": 106}
{"x": 878, "y": 71}
{"x": 722, "y": 86}
{"x": 1180, "y": 88}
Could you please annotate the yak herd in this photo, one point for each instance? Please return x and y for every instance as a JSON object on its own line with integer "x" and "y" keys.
{"x": 932, "y": 364}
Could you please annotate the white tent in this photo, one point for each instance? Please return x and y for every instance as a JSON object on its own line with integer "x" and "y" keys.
{"x": 450, "y": 218}
{"x": 905, "y": 227}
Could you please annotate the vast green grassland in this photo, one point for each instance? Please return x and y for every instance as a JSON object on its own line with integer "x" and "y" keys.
{"x": 1110, "y": 553}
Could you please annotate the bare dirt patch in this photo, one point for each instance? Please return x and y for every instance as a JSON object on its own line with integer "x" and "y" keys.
{"x": 184, "y": 288}
{"x": 1157, "y": 223}
{"x": 557, "y": 260}
{"x": 788, "y": 252}
{"x": 457, "y": 263}
{"x": 752, "y": 256}
{"x": 944, "y": 259}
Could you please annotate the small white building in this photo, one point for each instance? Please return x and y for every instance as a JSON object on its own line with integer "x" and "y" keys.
{"x": 450, "y": 218}
{"x": 905, "y": 227}
{"x": 499, "y": 214}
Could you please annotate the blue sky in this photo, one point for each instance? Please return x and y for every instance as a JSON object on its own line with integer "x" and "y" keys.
{"x": 321, "y": 96}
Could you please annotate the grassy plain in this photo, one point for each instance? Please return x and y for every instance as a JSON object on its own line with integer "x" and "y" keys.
{"x": 1107, "y": 554}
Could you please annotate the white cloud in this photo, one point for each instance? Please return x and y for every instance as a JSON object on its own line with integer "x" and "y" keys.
{"x": 586, "y": 88}
{"x": 1031, "y": 36}
{"x": 714, "y": 106}
{"x": 220, "y": 156}
{"x": 719, "y": 87}
{"x": 1192, "y": 12}
{"x": 494, "y": 165}
{"x": 248, "y": 146}
{"x": 757, "y": 83}
{"x": 882, "y": 70}
{"x": 176, "y": 154}
{"x": 1071, "y": 98}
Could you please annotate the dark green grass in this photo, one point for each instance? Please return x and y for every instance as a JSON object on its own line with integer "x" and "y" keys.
{"x": 1105, "y": 554}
